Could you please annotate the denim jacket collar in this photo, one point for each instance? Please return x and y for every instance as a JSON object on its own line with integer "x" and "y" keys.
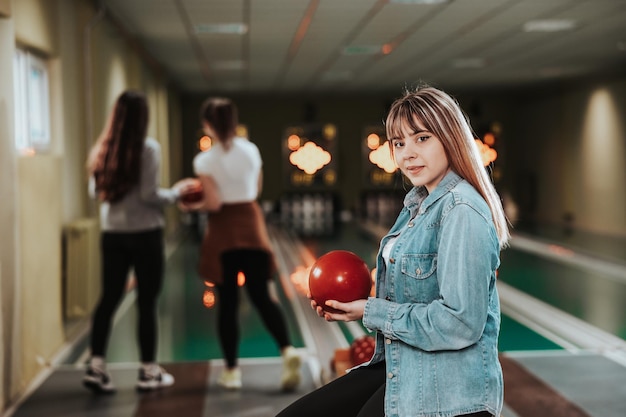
{"x": 418, "y": 200}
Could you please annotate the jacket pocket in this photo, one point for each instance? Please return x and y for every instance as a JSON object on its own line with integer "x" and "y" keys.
{"x": 419, "y": 277}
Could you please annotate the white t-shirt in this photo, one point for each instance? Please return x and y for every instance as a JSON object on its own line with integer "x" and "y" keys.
{"x": 235, "y": 171}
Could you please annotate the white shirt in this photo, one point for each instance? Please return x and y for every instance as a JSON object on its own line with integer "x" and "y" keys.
{"x": 235, "y": 171}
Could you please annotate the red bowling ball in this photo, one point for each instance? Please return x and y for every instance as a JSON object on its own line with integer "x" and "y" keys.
{"x": 362, "y": 350}
{"x": 339, "y": 275}
{"x": 193, "y": 194}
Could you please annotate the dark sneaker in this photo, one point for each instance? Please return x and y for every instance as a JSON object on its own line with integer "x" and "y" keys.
{"x": 98, "y": 381}
{"x": 157, "y": 378}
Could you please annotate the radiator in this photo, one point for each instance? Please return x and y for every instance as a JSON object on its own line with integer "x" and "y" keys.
{"x": 81, "y": 267}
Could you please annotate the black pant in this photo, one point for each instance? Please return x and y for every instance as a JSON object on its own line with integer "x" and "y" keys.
{"x": 359, "y": 393}
{"x": 144, "y": 252}
{"x": 255, "y": 265}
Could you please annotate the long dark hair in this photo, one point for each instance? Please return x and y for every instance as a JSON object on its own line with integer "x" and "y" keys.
{"x": 223, "y": 116}
{"x": 115, "y": 159}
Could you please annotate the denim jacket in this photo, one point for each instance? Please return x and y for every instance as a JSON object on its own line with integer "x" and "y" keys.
{"x": 436, "y": 312}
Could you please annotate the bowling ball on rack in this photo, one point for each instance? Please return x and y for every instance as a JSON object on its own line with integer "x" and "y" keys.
{"x": 339, "y": 275}
{"x": 193, "y": 193}
{"x": 362, "y": 350}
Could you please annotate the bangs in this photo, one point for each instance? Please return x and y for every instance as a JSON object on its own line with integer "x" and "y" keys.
{"x": 403, "y": 118}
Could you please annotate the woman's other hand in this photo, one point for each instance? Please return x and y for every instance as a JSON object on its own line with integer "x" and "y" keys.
{"x": 349, "y": 311}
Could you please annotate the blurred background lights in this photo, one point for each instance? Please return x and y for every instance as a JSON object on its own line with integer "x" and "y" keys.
{"x": 310, "y": 158}
{"x": 330, "y": 131}
{"x": 330, "y": 177}
{"x": 204, "y": 144}
{"x": 373, "y": 141}
{"x": 381, "y": 157}
{"x": 208, "y": 298}
{"x": 242, "y": 130}
{"x": 293, "y": 142}
{"x": 487, "y": 153}
{"x": 489, "y": 139}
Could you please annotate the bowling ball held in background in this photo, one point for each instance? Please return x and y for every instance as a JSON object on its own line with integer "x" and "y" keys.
{"x": 194, "y": 193}
{"x": 339, "y": 275}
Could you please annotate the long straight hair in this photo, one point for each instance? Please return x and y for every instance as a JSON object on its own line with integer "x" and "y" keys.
{"x": 440, "y": 114}
{"x": 115, "y": 158}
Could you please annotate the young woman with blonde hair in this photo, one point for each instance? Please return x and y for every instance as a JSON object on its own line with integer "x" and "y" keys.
{"x": 436, "y": 312}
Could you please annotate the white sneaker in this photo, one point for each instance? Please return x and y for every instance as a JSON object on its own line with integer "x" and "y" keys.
{"x": 290, "y": 378}
{"x": 230, "y": 379}
{"x": 154, "y": 378}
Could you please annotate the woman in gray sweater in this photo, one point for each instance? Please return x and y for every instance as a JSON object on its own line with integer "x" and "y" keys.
{"x": 124, "y": 176}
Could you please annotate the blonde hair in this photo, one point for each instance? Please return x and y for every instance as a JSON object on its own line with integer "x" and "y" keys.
{"x": 440, "y": 114}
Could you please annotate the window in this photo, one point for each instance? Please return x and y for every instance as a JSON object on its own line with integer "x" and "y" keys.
{"x": 32, "y": 103}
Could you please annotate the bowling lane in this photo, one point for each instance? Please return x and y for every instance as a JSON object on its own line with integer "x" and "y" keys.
{"x": 612, "y": 248}
{"x": 594, "y": 297}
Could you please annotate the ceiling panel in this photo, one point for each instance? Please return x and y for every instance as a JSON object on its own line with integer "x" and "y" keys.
{"x": 333, "y": 45}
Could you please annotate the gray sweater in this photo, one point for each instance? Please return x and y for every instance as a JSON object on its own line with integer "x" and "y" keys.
{"x": 142, "y": 208}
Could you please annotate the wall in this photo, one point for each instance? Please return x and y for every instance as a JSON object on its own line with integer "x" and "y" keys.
{"x": 40, "y": 262}
{"x": 8, "y": 267}
{"x": 559, "y": 154}
{"x": 90, "y": 62}
{"x": 570, "y": 155}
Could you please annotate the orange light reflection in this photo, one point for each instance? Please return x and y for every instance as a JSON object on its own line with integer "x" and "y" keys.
{"x": 293, "y": 142}
{"x": 208, "y": 298}
{"x": 204, "y": 144}
{"x": 373, "y": 141}
{"x": 300, "y": 279}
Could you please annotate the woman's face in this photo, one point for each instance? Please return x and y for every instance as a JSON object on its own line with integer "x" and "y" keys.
{"x": 420, "y": 156}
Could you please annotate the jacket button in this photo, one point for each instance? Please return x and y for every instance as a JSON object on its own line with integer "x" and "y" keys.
{"x": 410, "y": 224}
{"x": 389, "y": 375}
{"x": 392, "y": 260}
{"x": 418, "y": 271}
{"x": 388, "y": 341}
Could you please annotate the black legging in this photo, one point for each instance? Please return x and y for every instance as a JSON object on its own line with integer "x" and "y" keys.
{"x": 255, "y": 265}
{"x": 144, "y": 252}
{"x": 359, "y": 393}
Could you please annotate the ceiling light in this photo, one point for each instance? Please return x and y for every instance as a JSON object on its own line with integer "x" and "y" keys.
{"x": 549, "y": 25}
{"x": 418, "y": 1}
{"x": 222, "y": 28}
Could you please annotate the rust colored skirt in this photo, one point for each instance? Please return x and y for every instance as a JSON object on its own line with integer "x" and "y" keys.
{"x": 234, "y": 226}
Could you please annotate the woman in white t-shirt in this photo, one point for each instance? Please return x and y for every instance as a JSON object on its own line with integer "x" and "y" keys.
{"x": 236, "y": 238}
